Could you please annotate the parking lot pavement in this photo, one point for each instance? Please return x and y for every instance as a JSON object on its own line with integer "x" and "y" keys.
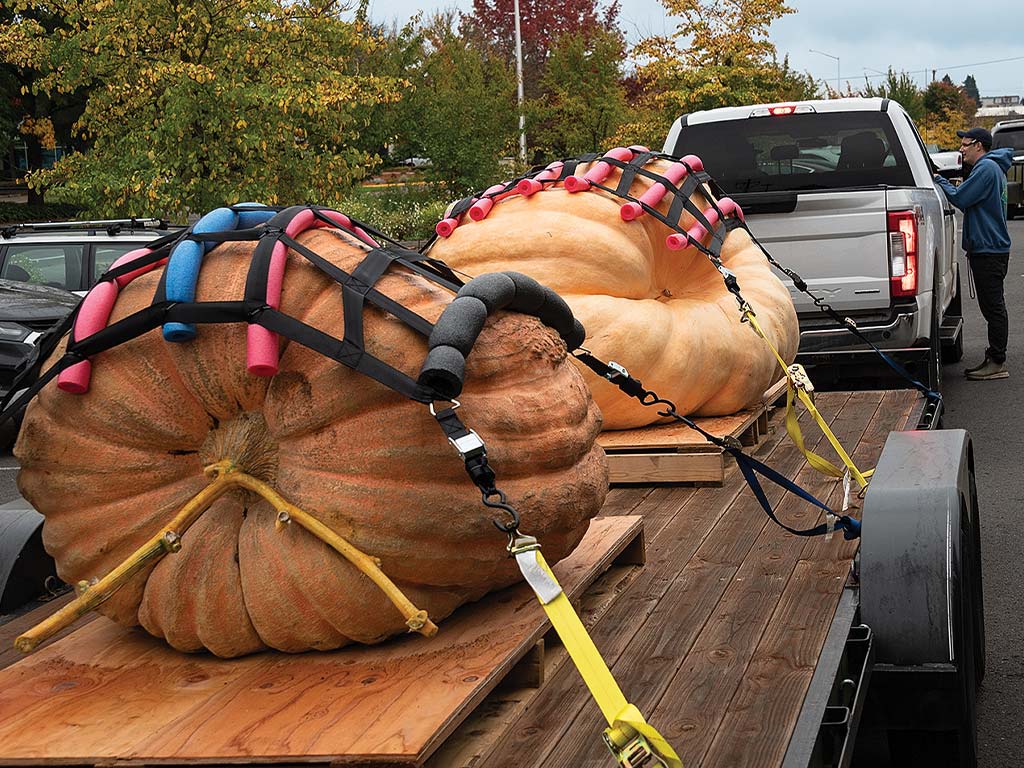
{"x": 991, "y": 412}
{"x": 8, "y": 475}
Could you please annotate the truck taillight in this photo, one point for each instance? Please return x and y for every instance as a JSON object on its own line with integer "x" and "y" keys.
{"x": 903, "y": 252}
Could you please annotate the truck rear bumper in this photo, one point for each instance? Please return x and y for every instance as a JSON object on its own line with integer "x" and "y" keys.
{"x": 901, "y": 331}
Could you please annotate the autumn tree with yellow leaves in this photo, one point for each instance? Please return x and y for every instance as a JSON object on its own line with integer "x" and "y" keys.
{"x": 196, "y": 104}
{"x": 719, "y": 55}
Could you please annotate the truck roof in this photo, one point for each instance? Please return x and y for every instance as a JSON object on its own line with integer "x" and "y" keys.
{"x": 817, "y": 105}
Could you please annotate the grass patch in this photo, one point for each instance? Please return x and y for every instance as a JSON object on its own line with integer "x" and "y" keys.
{"x": 402, "y": 212}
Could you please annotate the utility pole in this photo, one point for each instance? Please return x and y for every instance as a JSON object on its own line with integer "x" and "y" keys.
{"x": 519, "y": 84}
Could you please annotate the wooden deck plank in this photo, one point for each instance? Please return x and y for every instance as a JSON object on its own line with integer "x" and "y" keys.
{"x": 719, "y": 661}
{"x": 668, "y": 552}
{"x": 760, "y": 720}
{"x": 675, "y": 435}
{"x": 676, "y": 453}
{"x": 705, "y": 653}
{"x": 107, "y": 693}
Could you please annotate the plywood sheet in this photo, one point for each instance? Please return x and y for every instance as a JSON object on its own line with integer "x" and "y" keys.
{"x": 106, "y": 694}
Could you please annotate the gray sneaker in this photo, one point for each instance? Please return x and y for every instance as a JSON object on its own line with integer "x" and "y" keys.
{"x": 978, "y": 367}
{"x": 989, "y": 371}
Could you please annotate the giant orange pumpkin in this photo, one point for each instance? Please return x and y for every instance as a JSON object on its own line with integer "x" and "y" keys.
{"x": 110, "y": 467}
{"x": 663, "y": 314}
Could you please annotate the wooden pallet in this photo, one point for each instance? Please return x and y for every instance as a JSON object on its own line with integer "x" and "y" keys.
{"x": 674, "y": 453}
{"x": 106, "y": 695}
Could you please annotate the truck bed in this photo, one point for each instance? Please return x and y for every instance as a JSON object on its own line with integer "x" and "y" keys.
{"x": 715, "y": 639}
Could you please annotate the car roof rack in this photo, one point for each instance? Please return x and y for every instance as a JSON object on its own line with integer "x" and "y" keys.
{"x": 111, "y": 226}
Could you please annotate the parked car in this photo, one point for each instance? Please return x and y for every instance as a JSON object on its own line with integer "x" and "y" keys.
{"x": 948, "y": 163}
{"x": 45, "y": 268}
{"x": 842, "y": 192}
{"x": 1010, "y": 133}
{"x": 71, "y": 254}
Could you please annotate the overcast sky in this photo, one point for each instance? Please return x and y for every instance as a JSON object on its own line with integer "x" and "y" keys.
{"x": 866, "y": 35}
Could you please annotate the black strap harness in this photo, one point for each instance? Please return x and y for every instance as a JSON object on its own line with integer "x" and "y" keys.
{"x": 680, "y": 202}
{"x": 450, "y": 339}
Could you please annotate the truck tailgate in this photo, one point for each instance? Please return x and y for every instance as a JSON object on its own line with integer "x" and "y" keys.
{"x": 836, "y": 240}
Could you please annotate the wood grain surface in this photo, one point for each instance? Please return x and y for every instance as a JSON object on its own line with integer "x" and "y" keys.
{"x": 106, "y": 694}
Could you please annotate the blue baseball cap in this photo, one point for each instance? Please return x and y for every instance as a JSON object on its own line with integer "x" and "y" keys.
{"x": 980, "y": 135}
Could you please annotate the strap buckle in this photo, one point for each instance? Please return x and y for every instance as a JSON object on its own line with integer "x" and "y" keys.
{"x": 617, "y": 371}
{"x": 635, "y": 753}
{"x": 468, "y": 445}
{"x": 453, "y": 405}
{"x": 799, "y": 377}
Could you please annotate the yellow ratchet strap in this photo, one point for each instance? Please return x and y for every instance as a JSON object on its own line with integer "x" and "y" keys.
{"x": 631, "y": 740}
{"x": 798, "y": 384}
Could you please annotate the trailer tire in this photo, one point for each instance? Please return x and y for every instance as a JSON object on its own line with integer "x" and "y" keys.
{"x": 921, "y": 594}
{"x": 25, "y": 567}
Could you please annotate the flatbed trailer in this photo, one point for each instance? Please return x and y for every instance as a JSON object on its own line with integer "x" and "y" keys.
{"x": 743, "y": 644}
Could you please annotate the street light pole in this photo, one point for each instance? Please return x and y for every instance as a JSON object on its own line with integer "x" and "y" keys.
{"x": 519, "y": 84}
{"x": 837, "y": 68}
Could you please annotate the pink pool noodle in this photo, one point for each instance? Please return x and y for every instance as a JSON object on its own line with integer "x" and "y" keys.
{"x": 445, "y": 227}
{"x": 674, "y": 174}
{"x": 697, "y": 232}
{"x": 482, "y": 207}
{"x": 261, "y": 344}
{"x": 600, "y": 170}
{"x": 528, "y": 187}
{"x": 94, "y": 314}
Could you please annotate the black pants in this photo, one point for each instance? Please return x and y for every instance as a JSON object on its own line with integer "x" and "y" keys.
{"x": 989, "y": 271}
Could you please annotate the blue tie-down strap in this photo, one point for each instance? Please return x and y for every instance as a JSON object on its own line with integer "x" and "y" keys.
{"x": 930, "y": 394}
{"x": 751, "y": 467}
{"x": 187, "y": 257}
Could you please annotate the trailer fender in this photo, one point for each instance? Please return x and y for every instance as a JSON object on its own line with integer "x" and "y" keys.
{"x": 24, "y": 564}
{"x": 920, "y": 549}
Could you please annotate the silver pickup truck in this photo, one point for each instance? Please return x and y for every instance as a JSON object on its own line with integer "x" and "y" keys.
{"x": 841, "y": 192}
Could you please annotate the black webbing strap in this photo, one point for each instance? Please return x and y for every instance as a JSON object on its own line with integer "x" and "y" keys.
{"x": 749, "y": 466}
{"x": 569, "y": 165}
{"x": 630, "y": 169}
{"x": 340, "y": 276}
{"x": 680, "y": 199}
{"x": 253, "y": 308}
{"x": 343, "y": 352}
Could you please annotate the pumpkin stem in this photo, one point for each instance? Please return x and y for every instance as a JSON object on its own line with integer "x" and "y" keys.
{"x": 225, "y": 476}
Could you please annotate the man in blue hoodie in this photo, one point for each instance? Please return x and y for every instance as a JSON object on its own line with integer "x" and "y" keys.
{"x": 982, "y": 198}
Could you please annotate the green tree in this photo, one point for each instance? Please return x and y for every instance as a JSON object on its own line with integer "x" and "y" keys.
{"x": 460, "y": 113}
{"x": 41, "y": 121}
{"x": 947, "y": 109}
{"x": 945, "y": 99}
{"x": 584, "y": 99}
{"x": 901, "y": 88}
{"x": 719, "y": 55}
{"x": 193, "y": 105}
{"x": 971, "y": 89}
{"x": 394, "y": 53}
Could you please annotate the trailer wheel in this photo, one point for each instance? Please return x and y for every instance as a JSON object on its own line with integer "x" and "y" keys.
{"x": 25, "y": 567}
{"x": 921, "y": 594}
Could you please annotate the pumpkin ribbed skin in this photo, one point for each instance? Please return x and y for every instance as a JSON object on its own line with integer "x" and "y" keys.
{"x": 665, "y": 315}
{"x": 108, "y": 469}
